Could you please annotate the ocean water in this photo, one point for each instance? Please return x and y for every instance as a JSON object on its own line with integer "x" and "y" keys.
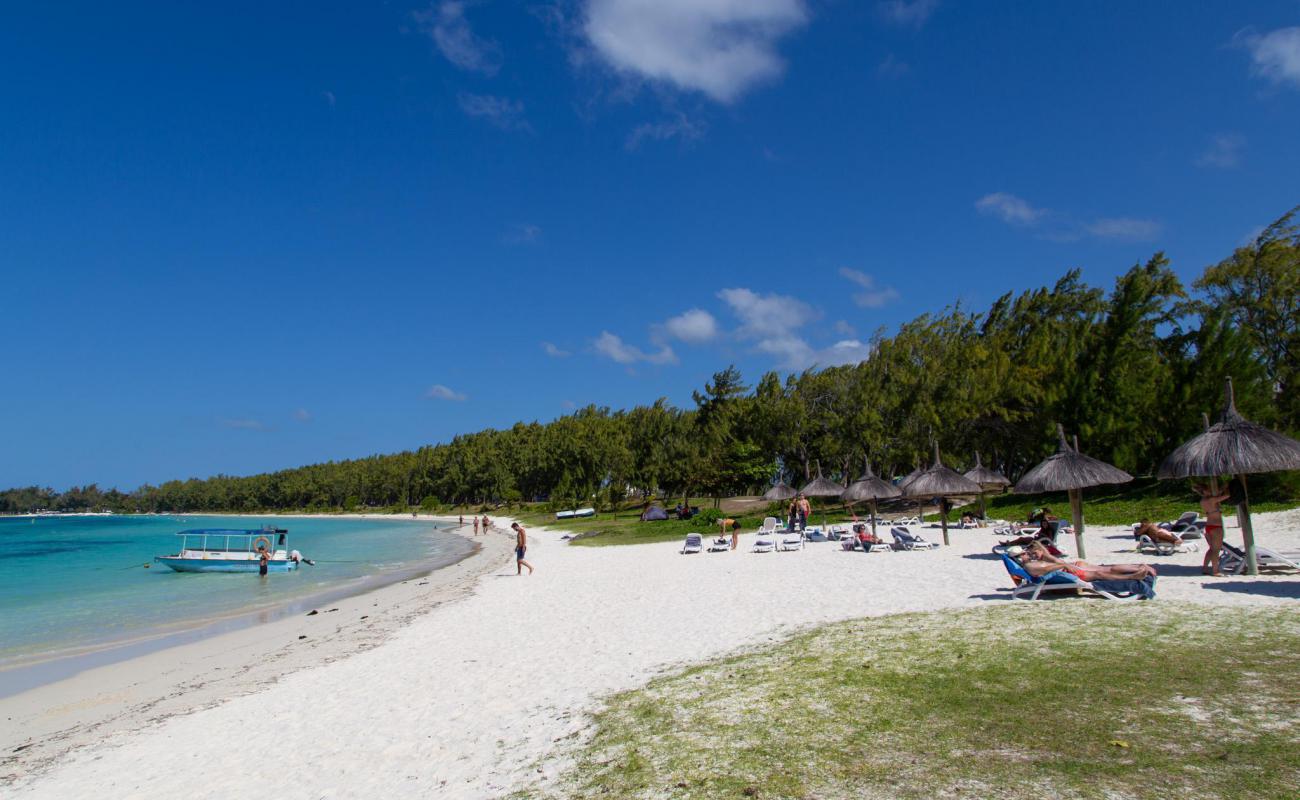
{"x": 71, "y": 584}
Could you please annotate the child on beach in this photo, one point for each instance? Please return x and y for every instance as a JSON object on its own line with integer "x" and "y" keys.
{"x": 1211, "y": 502}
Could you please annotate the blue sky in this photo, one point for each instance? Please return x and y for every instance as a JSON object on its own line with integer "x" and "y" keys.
{"x": 245, "y": 236}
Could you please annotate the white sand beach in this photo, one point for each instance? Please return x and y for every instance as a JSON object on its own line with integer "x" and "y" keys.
{"x": 476, "y": 684}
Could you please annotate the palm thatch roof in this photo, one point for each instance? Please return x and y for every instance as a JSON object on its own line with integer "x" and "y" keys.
{"x": 781, "y": 491}
{"x": 869, "y": 487}
{"x": 821, "y": 487}
{"x": 1068, "y": 469}
{"x": 940, "y": 481}
{"x": 985, "y": 477}
{"x": 1232, "y": 446}
{"x": 909, "y": 477}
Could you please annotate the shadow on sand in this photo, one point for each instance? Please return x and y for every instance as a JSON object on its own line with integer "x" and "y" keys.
{"x": 1289, "y": 589}
{"x": 983, "y": 556}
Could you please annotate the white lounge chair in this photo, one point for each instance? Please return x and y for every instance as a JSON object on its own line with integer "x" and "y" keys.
{"x": 1148, "y": 545}
{"x": 792, "y": 541}
{"x": 764, "y": 543}
{"x": 694, "y": 543}
{"x": 906, "y": 540}
{"x": 1232, "y": 559}
{"x": 720, "y": 545}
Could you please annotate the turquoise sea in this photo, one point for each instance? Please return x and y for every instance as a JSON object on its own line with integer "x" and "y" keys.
{"x": 72, "y": 584}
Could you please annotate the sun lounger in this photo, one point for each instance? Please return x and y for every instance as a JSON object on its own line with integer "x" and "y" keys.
{"x": 1232, "y": 559}
{"x": 720, "y": 545}
{"x": 694, "y": 543}
{"x": 906, "y": 540}
{"x": 764, "y": 543}
{"x": 1148, "y": 545}
{"x": 1062, "y": 581}
{"x": 792, "y": 541}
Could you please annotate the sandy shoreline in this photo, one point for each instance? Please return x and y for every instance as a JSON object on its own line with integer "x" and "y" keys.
{"x": 481, "y": 696}
{"x": 198, "y": 667}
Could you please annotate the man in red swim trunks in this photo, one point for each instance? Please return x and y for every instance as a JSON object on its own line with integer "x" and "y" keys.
{"x": 1210, "y": 504}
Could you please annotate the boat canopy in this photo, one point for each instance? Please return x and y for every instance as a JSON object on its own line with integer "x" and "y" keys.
{"x": 231, "y": 532}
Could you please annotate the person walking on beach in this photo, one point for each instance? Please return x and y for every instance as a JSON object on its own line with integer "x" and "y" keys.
{"x": 487, "y": 523}
{"x": 462, "y": 520}
{"x": 521, "y": 549}
{"x": 1211, "y": 505}
{"x": 476, "y": 526}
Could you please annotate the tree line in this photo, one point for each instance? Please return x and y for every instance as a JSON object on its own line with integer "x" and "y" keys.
{"x": 1129, "y": 369}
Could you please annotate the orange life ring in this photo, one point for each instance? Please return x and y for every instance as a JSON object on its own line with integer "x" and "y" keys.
{"x": 262, "y": 539}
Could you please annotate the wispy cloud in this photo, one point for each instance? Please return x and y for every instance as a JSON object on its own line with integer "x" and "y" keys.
{"x": 772, "y": 321}
{"x": 1124, "y": 229}
{"x": 695, "y": 326}
{"x": 524, "y": 233}
{"x": 302, "y": 415}
{"x": 614, "y": 348}
{"x": 843, "y": 328}
{"x": 446, "y": 25}
{"x": 679, "y": 127}
{"x": 553, "y": 351}
{"x": 1224, "y": 151}
{"x": 506, "y": 114}
{"x": 871, "y": 296}
{"x": 1274, "y": 56}
{"x": 892, "y": 68}
{"x": 568, "y": 405}
{"x": 721, "y": 48}
{"x": 440, "y": 392}
{"x": 1009, "y": 208}
{"x": 1064, "y": 227}
{"x": 245, "y": 424}
{"x": 907, "y": 13}
{"x": 329, "y": 98}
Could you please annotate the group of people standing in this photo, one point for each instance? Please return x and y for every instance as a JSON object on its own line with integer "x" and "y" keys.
{"x": 483, "y": 522}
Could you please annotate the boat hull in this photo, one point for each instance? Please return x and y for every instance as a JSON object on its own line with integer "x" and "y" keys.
{"x": 222, "y": 565}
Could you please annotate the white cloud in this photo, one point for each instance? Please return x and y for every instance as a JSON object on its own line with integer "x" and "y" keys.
{"x": 694, "y": 327}
{"x": 302, "y": 415}
{"x": 871, "y": 296}
{"x": 440, "y": 392}
{"x": 329, "y": 98}
{"x": 843, "y": 328}
{"x": 769, "y": 315}
{"x": 615, "y": 349}
{"x": 245, "y": 424}
{"x": 907, "y": 13}
{"x": 1274, "y": 55}
{"x": 679, "y": 127}
{"x": 451, "y": 34}
{"x": 891, "y": 67}
{"x": 506, "y": 114}
{"x": 1224, "y": 151}
{"x": 1009, "y": 208}
{"x": 719, "y": 47}
{"x": 1124, "y": 228}
{"x": 553, "y": 351}
{"x": 568, "y": 405}
{"x": 525, "y": 233}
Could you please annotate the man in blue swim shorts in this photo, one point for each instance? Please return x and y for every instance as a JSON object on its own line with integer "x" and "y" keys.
{"x": 521, "y": 548}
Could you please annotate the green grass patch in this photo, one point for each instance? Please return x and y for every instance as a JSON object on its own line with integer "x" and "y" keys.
{"x": 1057, "y": 699}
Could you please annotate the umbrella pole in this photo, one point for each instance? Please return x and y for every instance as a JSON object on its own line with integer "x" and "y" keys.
{"x": 943, "y": 519}
{"x": 1247, "y": 530}
{"x": 1076, "y": 514}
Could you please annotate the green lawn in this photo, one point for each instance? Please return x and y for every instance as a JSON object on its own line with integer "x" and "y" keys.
{"x": 1061, "y": 699}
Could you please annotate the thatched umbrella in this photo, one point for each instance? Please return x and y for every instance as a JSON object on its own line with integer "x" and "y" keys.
{"x": 869, "y": 488}
{"x": 986, "y": 478}
{"x": 781, "y": 491}
{"x": 1234, "y": 446}
{"x": 821, "y": 487}
{"x": 1068, "y": 470}
{"x": 942, "y": 482}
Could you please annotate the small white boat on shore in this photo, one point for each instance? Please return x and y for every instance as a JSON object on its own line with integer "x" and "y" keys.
{"x": 229, "y": 550}
{"x": 576, "y": 514}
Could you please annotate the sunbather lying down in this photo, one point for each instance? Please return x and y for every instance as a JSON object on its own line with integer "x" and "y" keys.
{"x": 1157, "y": 533}
{"x": 1037, "y": 561}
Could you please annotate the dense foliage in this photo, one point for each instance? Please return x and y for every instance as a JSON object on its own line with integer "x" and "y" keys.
{"x": 1130, "y": 371}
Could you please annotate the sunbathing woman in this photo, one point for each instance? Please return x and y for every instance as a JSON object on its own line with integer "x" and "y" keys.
{"x": 865, "y": 537}
{"x": 1037, "y": 561}
{"x": 1155, "y": 532}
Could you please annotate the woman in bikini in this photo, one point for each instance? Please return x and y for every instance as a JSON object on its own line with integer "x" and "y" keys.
{"x": 1088, "y": 572}
{"x": 1210, "y": 504}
